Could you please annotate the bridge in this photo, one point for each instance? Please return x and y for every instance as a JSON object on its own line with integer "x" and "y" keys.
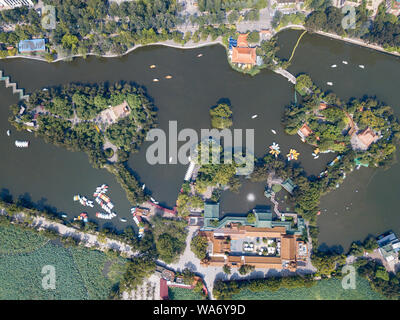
{"x": 291, "y": 78}
{"x": 14, "y": 86}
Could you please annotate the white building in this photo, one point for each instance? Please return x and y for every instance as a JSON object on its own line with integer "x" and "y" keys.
{"x": 16, "y": 3}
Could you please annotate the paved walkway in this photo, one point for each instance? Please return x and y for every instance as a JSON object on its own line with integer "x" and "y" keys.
{"x": 89, "y": 239}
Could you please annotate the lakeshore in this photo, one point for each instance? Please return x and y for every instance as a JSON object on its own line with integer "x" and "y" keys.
{"x": 193, "y": 45}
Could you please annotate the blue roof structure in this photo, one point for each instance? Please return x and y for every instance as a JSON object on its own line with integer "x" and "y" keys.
{"x": 232, "y": 42}
{"x": 31, "y": 45}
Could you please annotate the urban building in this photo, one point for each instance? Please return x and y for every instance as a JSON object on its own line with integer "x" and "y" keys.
{"x": 262, "y": 243}
{"x": 29, "y": 46}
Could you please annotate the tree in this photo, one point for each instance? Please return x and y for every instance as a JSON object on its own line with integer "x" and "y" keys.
{"x": 253, "y": 37}
{"x": 233, "y": 17}
{"x": 137, "y": 270}
{"x": 199, "y": 245}
{"x": 316, "y": 21}
{"x": 69, "y": 41}
{"x": 166, "y": 247}
{"x": 303, "y": 82}
{"x": 246, "y": 269}
{"x": 221, "y": 116}
{"x": 251, "y": 218}
{"x": 226, "y": 269}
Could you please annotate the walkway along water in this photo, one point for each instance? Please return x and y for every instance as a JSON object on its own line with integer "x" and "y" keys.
{"x": 14, "y": 86}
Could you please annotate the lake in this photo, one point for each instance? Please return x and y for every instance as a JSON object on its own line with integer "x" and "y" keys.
{"x": 364, "y": 204}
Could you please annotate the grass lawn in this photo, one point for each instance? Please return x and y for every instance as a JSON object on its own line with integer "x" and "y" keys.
{"x": 81, "y": 273}
{"x": 176, "y": 293}
{"x": 330, "y": 289}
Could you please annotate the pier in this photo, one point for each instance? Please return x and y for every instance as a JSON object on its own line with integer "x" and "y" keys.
{"x": 14, "y": 86}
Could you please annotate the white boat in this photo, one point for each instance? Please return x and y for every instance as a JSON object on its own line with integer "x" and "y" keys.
{"x": 344, "y": 62}
{"x": 45, "y": 89}
{"x": 21, "y": 144}
{"x": 29, "y": 130}
{"x": 8, "y": 132}
{"x": 361, "y": 66}
{"x": 155, "y": 80}
{"x": 143, "y": 186}
{"x": 110, "y": 205}
{"x": 254, "y": 116}
{"x": 122, "y": 219}
{"x": 105, "y": 216}
{"x": 273, "y": 131}
{"x": 333, "y": 66}
{"x": 329, "y": 83}
{"x": 64, "y": 216}
{"x": 199, "y": 55}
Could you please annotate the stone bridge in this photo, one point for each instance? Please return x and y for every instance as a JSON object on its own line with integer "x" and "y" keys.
{"x": 291, "y": 78}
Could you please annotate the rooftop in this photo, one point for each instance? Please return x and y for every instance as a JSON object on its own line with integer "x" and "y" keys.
{"x": 367, "y": 137}
{"x": 289, "y": 185}
{"x": 242, "y": 40}
{"x": 244, "y": 55}
{"x": 304, "y": 131}
{"x": 31, "y": 45}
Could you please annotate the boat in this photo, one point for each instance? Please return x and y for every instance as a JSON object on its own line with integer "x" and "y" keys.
{"x": 155, "y": 80}
{"x": 168, "y": 77}
{"x": 29, "y": 130}
{"x": 45, "y": 89}
{"x": 292, "y": 155}
{"x": 84, "y": 201}
{"x": 199, "y": 55}
{"x": 273, "y": 131}
{"x": 152, "y": 66}
{"x": 274, "y": 149}
{"x": 64, "y": 216}
{"x": 8, "y": 132}
{"x": 82, "y": 217}
{"x": 123, "y": 220}
{"x": 105, "y": 216}
{"x": 110, "y": 205}
{"x": 333, "y": 66}
{"x": 254, "y": 116}
{"x": 344, "y": 62}
{"x": 335, "y": 160}
{"x": 153, "y": 200}
{"x": 361, "y": 66}
{"x": 105, "y": 208}
{"x": 143, "y": 186}
{"x": 21, "y": 144}
{"x": 329, "y": 83}
{"x": 316, "y": 153}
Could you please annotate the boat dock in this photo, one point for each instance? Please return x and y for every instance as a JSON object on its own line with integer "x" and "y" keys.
{"x": 14, "y": 86}
{"x": 189, "y": 171}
